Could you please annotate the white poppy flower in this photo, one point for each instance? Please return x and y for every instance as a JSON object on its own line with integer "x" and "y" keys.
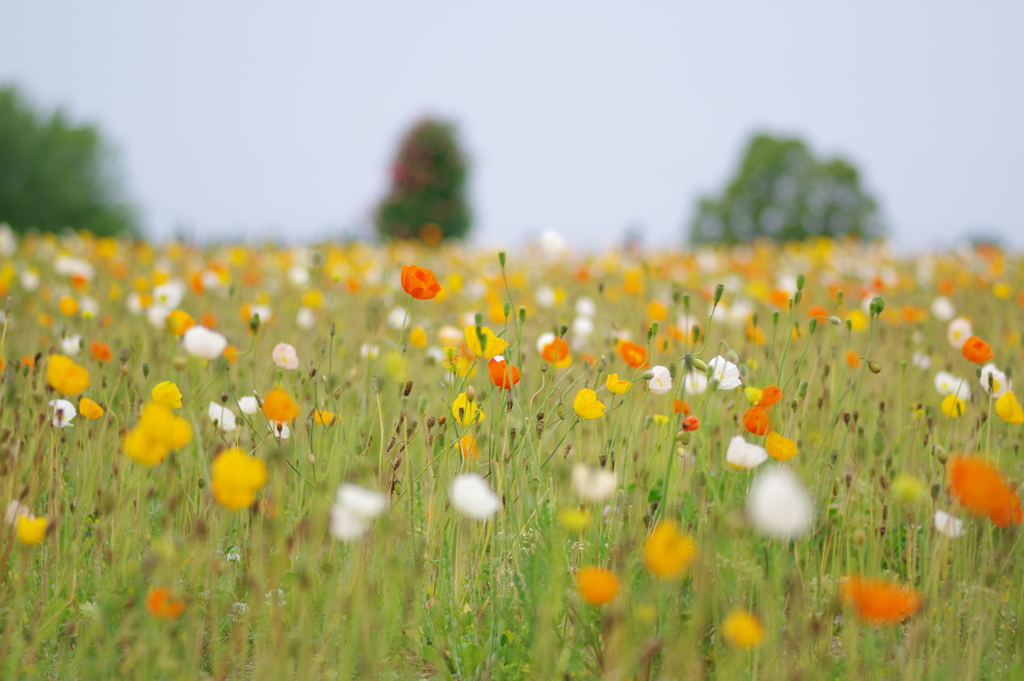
{"x": 727, "y": 373}
{"x": 593, "y": 484}
{"x": 222, "y": 416}
{"x": 71, "y": 345}
{"x": 450, "y": 336}
{"x": 994, "y": 382}
{"x": 203, "y": 343}
{"x": 921, "y": 360}
{"x": 63, "y": 413}
{"x": 248, "y": 405}
{"x": 695, "y": 383}
{"x": 779, "y": 505}
{"x": 958, "y": 331}
{"x": 942, "y": 309}
{"x": 346, "y": 524}
{"x": 948, "y": 384}
{"x": 298, "y": 276}
{"x": 744, "y": 455}
{"x": 88, "y": 307}
{"x": 305, "y": 318}
{"x": 30, "y": 280}
{"x": 169, "y": 295}
{"x": 546, "y": 298}
{"x": 353, "y": 511}
{"x": 284, "y": 356}
{"x": 368, "y": 351}
{"x": 661, "y": 381}
{"x": 396, "y": 318}
{"x": 585, "y": 307}
{"x": 473, "y": 497}
{"x": 280, "y": 429}
{"x": 582, "y": 326}
{"x": 157, "y": 316}
{"x": 948, "y": 525}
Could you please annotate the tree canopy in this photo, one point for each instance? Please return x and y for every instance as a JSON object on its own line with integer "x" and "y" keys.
{"x": 783, "y": 192}
{"x": 55, "y": 174}
{"x": 428, "y": 178}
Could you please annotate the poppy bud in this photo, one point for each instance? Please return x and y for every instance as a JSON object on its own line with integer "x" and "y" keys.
{"x": 877, "y": 305}
{"x": 834, "y": 320}
{"x": 775, "y": 318}
{"x": 733, "y": 356}
{"x": 501, "y": 258}
{"x": 859, "y": 537}
{"x": 145, "y": 370}
{"x": 653, "y": 331}
{"x": 254, "y": 323}
{"x": 719, "y": 290}
{"x": 507, "y": 309}
{"x": 310, "y": 457}
{"x": 800, "y": 281}
{"x": 802, "y": 389}
{"x": 422, "y": 405}
{"x": 648, "y": 375}
{"x": 812, "y": 325}
{"x": 522, "y": 315}
{"x": 470, "y": 394}
{"x": 125, "y": 354}
{"x": 874, "y": 367}
{"x": 560, "y": 410}
{"x": 699, "y": 364}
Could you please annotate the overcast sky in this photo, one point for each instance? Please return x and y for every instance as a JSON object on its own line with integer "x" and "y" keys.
{"x": 255, "y": 118}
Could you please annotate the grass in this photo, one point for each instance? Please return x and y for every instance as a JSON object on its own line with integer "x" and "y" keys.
{"x": 431, "y": 594}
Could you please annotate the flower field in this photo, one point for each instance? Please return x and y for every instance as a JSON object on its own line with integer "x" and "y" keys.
{"x": 348, "y": 461}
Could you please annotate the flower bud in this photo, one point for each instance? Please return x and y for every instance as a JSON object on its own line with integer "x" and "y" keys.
{"x": 719, "y": 290}
{"x": 501, "y": 258}
{"x": 800, "y": 281}
{"x": 834, "y": 320}
{"x": 874, "y": 367}
{"x": 145, "y": 370}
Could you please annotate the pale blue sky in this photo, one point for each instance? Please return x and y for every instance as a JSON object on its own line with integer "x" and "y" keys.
{"x": 583, "y": 117}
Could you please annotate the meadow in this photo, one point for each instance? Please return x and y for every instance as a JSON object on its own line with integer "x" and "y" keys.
{"x": 399, "y": 462}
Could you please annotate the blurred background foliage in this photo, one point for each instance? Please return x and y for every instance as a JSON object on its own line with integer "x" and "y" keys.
{"x": 782, "y": 192}
{"x": 56, "y": 174}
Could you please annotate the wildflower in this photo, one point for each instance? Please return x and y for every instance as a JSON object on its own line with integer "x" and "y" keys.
{"x": 419, "y": 282}
{"x": 982, "y": 490}
{"x": 593, "y": 484}
{"x": 585, "y": 307}
{"x": 680, "y": 406}
{"x": 756, "y": 420}
{"x": 167, "y": 394}
{"x": 179, "y": 321}
{"x": 63, "y": 413}
{"x": 617, "y": 385}
{"x": 586, "y": 405}
{"x": 743, "y": 455}
{"x": 65, "y": 376}
{"x": 993, "y": 381}
{"x": 574, "y": 519}
{"x": 770, "y": 396}
{"x": 284, "y": 356}
{"x": 948, "y": 384}
{"x": 169, "y": 294}
{"x": 100, "y": 352}
{"x": 68, "y": 306}
{"x": 554, "y": 350}
{"x": 89, "y": 409}
{"x": 667, "y": 552}
{"x": 753, "y": 395}
{"x": 597, "y": 586}
{"x": 695, "y": 383}
{"x": 661, "y": 380}
{"x": 161, "y": 603}
{"x": 473, "y": 497}
{"x": 325, "y": 418}
{"x": 942, "y": 309}
{"x": 742, "y": 630}
{"x": 418, "y": 337}
{"x": 159, "y": 431}
{"x": 466, "y": 412}
{"x": 279, "y": 406}
{"x": 907, "y": 488}
{"x": 31, "y": 530}
{"x": 953, "y": 407}
{"x": 369, "y": 351}
{"x": 632, "y": 354}
{"x": 958, "y": 331}
{"x": 690, "y": 424}
{"x": 660, "y": 419}
{"x": 222, "y": 416}
{"x": 726, "y": 373}
{"x": 879, "y": 602}
{"x": 203, "y": 343}
{"x": 977, "y": 350}
{"x": 236, "y": 477}
{"x": 248, "y": 405}
{"x": 921, "y": 360}
{"x": 948, "y": 525}
{"x": 1008, "y": 409}
{"x": 492, "y": 345}
{"x": 469, "y": 447}
{"x": 780, "y": 448}
{"x": 353, "y": 511}
{"x": 779, "y": 505}
{"x": 71, "y": 345}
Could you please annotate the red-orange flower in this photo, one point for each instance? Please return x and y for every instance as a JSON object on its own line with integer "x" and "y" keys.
{"x": 691, "y": 423}
{"x": 680, "y": 406}
{"x": 756, "y": 420}
{"x": 502, "y": 374}
{"x": 100, "y": 352}
{"x": 977, "y": 350}
{"x": 419, "y": 282}
{"x": 279, "y": 406}
{"x": 880, "y": 602}
{"x": 161, "y": 603}
{"x": 555, "y": 351}
{"x": 983, "y": 490}
{"x": 632, "y": 354}
{"x": 770, "y": 396}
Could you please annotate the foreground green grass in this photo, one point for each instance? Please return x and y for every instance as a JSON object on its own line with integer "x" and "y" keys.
{"x": 432, "y": 594}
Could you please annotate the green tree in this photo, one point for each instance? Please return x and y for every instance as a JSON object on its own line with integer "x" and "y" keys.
{"x": 428, "y": 179}
{"x": 783, "y": 192}
{"x": 54, "y": 174}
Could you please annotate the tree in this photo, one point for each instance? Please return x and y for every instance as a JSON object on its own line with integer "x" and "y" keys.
{"x": 55, "y": 175}
{"x": 783, "y": 192}
{"x": 427, "y": 196}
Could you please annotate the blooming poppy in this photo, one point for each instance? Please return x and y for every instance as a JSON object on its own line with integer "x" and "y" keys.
{"x": 780, "y": 447}
{"x": 953, "y": 407}
{"x": 756, "y": 420}
{"x": 236, "y": 477}
{"x": 633, "y": 354}
{"x": 977, "y": 350}
{"x": 492, "y": 346}
{"x": 770, "y": 396}
{"x": 325, "y": 418}
{"x": 284, "y": 356}
{"x": 617, "y": 385}
{"x": 742, "y": 630}
{"x": 586, "y": 405}
{"x": 31, "y": 530}
{"x": 879, "y": 602}
{"x": 469, "y": 447}
{"x": 419, "y": 282}
{"x": 597, "y": 586}
{"x": 680, "y": 406}
{"x": 667, "y": 552}
{"x": 1009, "y": 409}
{"x": 502, "y": 374}
{"x": 279, "y": 406}
{"x": 161, "y": 603}
{"x": 65, "y": 376}
{"x": 158, "y": 432}
{"x": 167, "y": 394}
{"x": 984, "y": 491}
{"x": 89, "y": 409}
{"x": 556, "y": 351}
{"x": 179, "y": 321}
{"x": 691, "y": 423}
{"x": 466, "y": 411}
{"x": 100, "y": 352}
{"x": 418, "y": 337}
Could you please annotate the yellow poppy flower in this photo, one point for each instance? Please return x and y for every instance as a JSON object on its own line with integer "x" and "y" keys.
{"x": 617, "y": 385}
{"x": 236, "y": 477}
{"x": 586, "y": 405}
{"x": 465, "y": 412}
{"x": 492, "y": 345}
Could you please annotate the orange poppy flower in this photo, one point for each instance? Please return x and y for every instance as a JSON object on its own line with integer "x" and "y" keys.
{"x": 977, "y": 350}
{"x": 420, "y": 283}
{"x": 632, "y": 354}
{"x": 161, "y": 603}
{"x": 279, "y": 406}
{"x": 983, "y": 490}
{"x": 502, "y": 374}
{"x": 597, "y": 585}
{"x": 770, "y": 396}
{"x": 555, "y": 351}
{"x": 691, "y": 423}
{"x": 756, "y": 420}
{"x": 880, "y": 602}
{"x": 817, "y": 312}
{"x": 100, "y": 352}
{"x": 231, "y": 354}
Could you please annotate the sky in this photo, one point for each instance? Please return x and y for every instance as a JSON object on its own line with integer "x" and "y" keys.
{"x": 251, "y": 119}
